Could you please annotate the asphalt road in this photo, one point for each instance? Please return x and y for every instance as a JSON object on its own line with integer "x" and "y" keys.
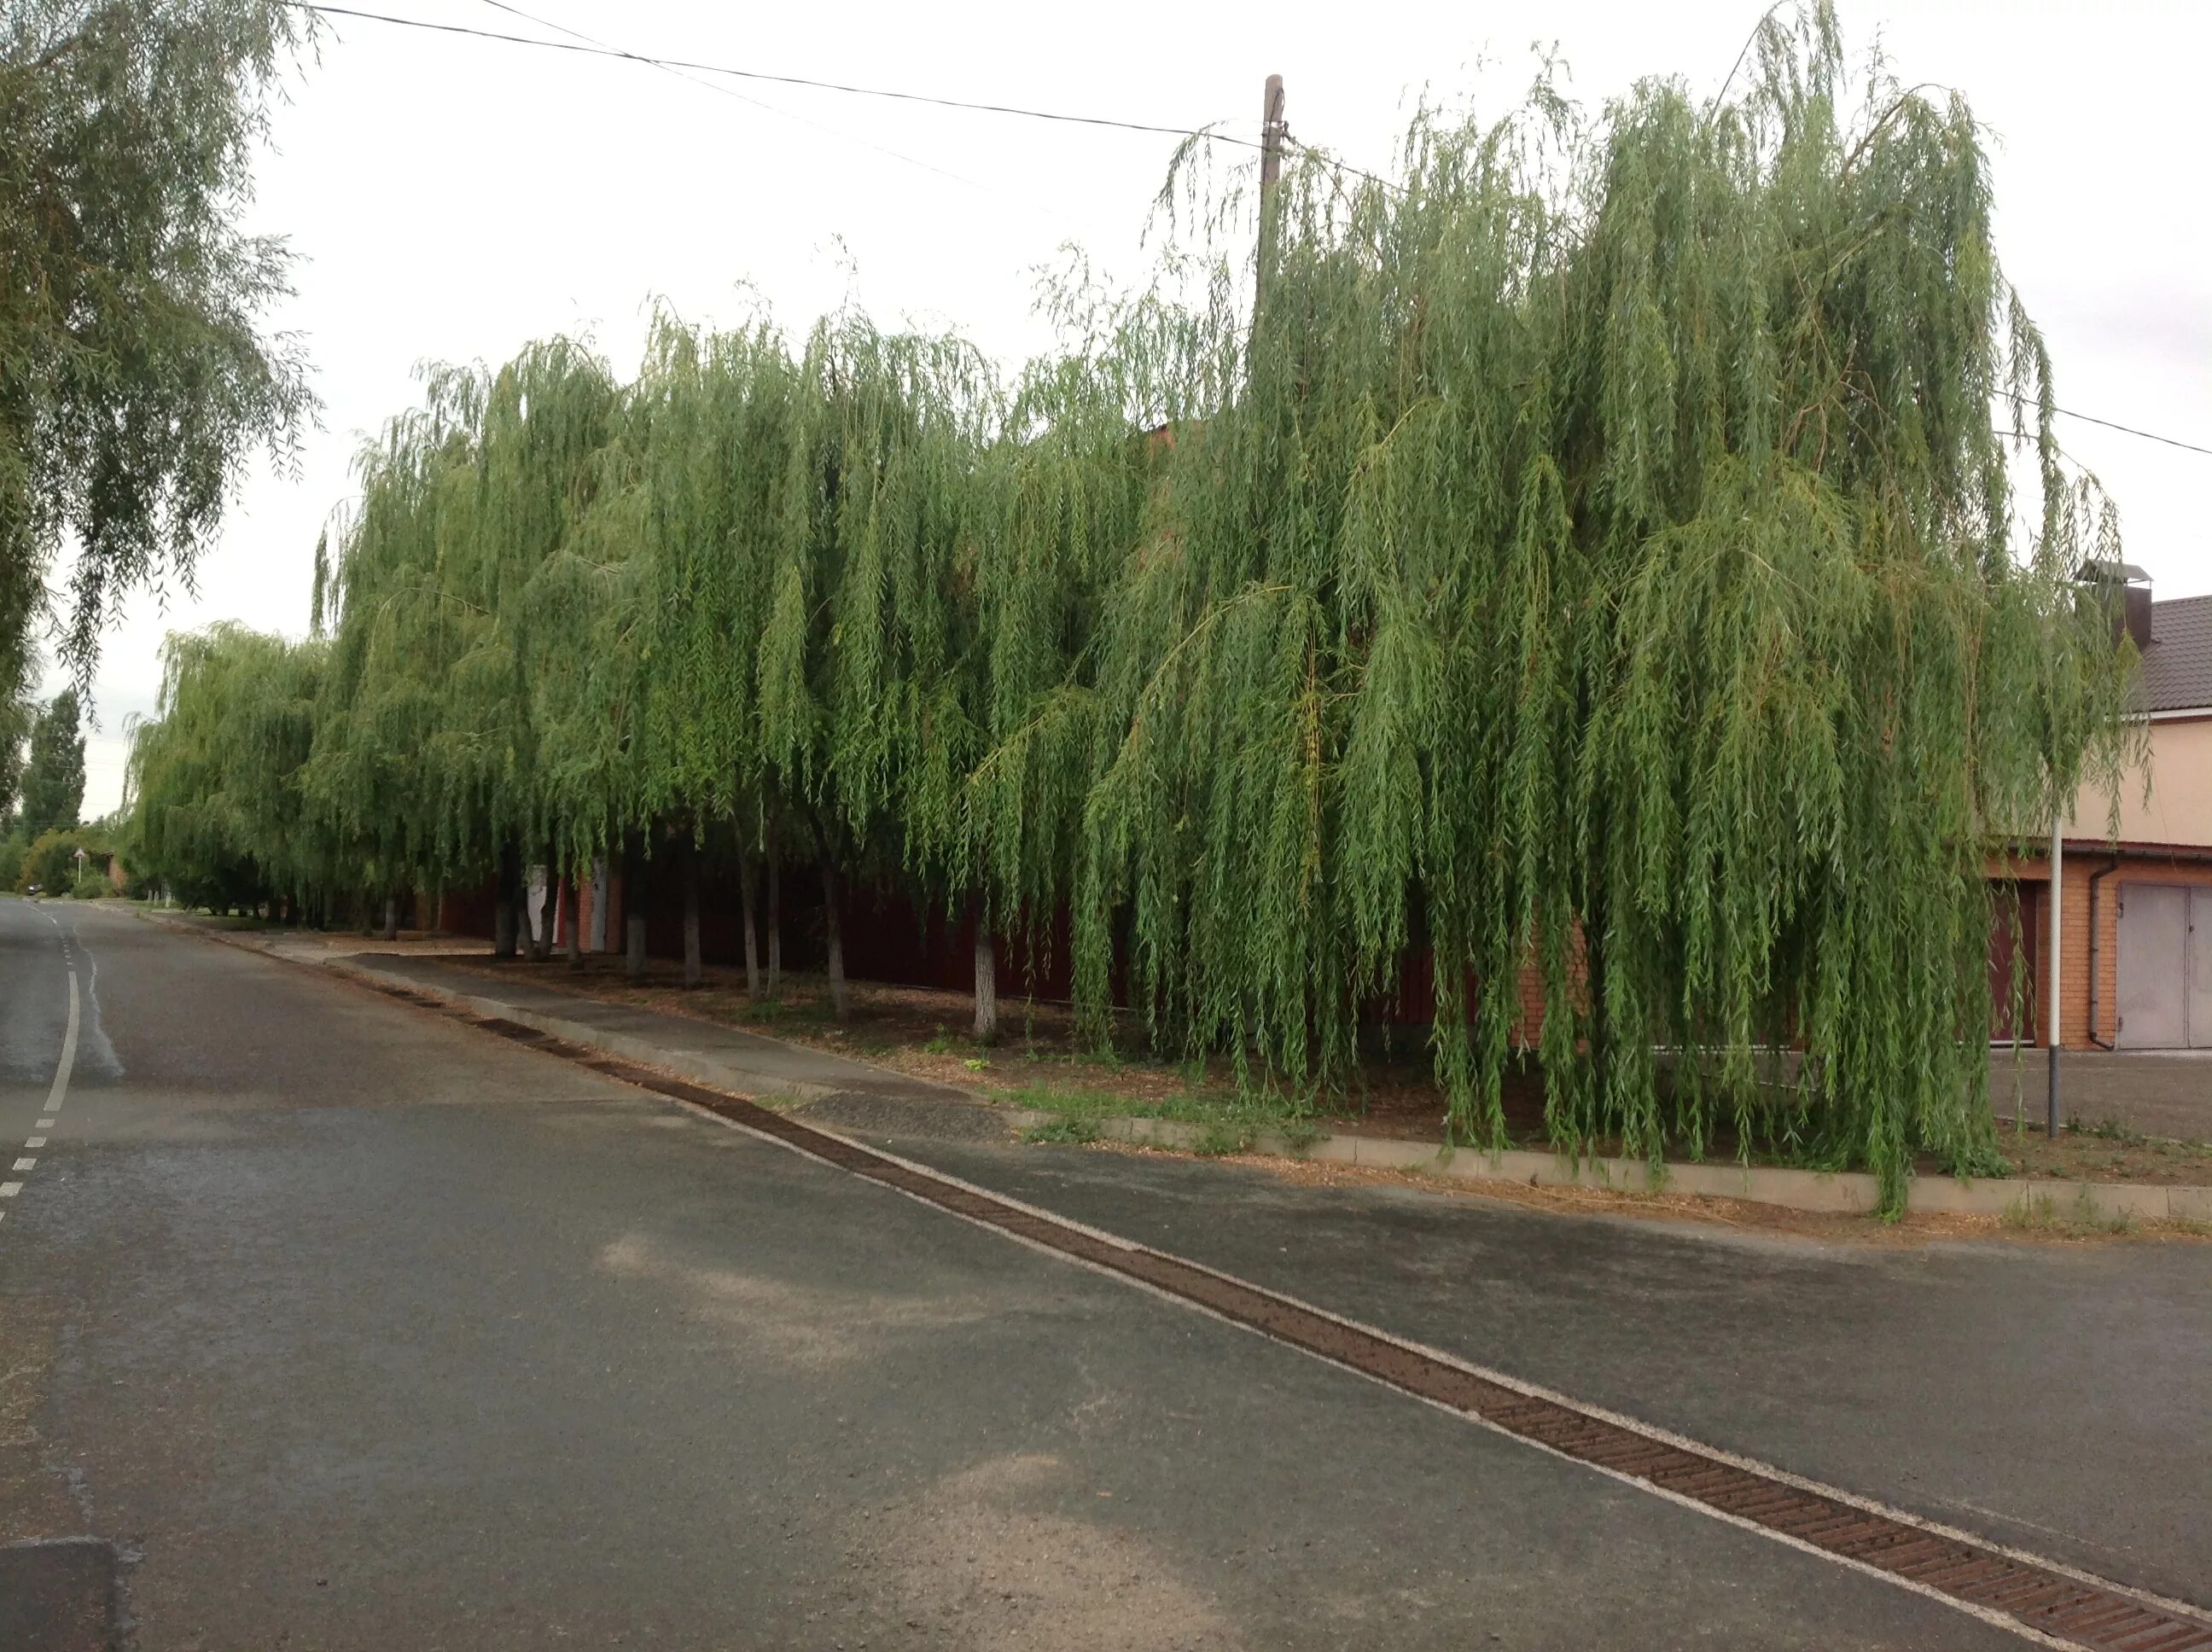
{"x": 325, "y": 1322}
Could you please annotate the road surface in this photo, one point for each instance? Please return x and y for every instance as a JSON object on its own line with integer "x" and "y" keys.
{"x": 329, "y": 1323}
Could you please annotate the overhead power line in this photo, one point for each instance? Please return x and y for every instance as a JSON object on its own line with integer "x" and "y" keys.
{"x": 586, "y": 45}
{"x": 583, "y": 48}
{"x": 2018, "y": 399}
{"x": 612, "y": 50}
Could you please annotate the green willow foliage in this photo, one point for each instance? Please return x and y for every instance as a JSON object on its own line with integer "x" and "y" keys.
{"x": 219, "y": 806}
{"x": 1596, "y": 562}
{"x": 138, "y": 373}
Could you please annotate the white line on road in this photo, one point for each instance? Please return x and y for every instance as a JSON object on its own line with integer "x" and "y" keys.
{"x": 59, "y": 1092}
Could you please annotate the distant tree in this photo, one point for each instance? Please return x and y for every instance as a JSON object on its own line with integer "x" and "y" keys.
{"x": 51, "y": 861}
{"x": 217, "y": 812}
{"x": 53, "y": 779}
{"x": 135, "y": 373}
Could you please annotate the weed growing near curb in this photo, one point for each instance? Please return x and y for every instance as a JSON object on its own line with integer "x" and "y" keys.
{"x": 2083, "y": 1218}
{"x": 2106, "y": 1130}
{"x": 1221, "y": 1137}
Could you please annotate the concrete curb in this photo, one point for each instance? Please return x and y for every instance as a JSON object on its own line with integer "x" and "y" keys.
{"x": 686, "y": 1064}
{"x": 1842, "y": 1193}
{"x": 1846, "y": 1193}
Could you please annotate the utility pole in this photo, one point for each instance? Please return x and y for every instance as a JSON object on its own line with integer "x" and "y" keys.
{"x": 1273, "y": 130}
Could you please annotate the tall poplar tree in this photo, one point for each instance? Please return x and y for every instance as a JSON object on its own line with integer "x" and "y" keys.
{"x": 53, "y": 775}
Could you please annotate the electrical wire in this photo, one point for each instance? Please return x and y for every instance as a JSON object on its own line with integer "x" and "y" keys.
{"x": 586, "y": 45}
{"x": 2110, "y": 424}
{"x": 582, "y": 47}
{"x": 774, "y": 109}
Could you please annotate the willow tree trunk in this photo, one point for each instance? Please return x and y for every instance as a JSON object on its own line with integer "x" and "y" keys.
{"x": 694, "y": 970}
{"x": 390, "y": 915}
{"x": 575, "y": 930}
{"x": 775, "y": 914}
{"x": 834, "y": 933}
{"x": 634, "y": 905}
{"x": 745, "y": 906}
{"x": 541, "y": 931}
{"x": 986, "y": 978}
{"x": 505, "y": 904}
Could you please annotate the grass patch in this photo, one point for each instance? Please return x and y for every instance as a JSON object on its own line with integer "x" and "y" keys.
{"x": 1225, "y": 1124}
{"x": 2106, "y": 1130}
{"x": 2080, "y": 1218}
{"x": 1218, "y": 1137}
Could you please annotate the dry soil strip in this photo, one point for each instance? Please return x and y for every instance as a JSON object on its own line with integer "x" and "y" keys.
{"x": 2042, "y": 1601}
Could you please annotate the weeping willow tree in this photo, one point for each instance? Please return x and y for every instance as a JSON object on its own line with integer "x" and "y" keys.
{"x": 1595, "y": 572}
{"x": 705, "y": 453}
{"x": 397, "y": 633}
{"x": 1060, "y": 496}
{"x": 1606, "y": 561}
{"x": 426, "y": 751}
{"x": 218, "y": 812}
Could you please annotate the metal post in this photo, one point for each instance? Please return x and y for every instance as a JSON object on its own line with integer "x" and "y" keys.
{"x": 1273, "y": 128}
{"x": 2056, "y": 1036}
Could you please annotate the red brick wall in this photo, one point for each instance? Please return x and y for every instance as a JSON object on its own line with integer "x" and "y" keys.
{"x": 886, "y": 940}
{"x": 2084, "y": 861}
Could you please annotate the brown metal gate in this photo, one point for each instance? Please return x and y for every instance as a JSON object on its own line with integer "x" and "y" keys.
{"x": 2012, "y": 962}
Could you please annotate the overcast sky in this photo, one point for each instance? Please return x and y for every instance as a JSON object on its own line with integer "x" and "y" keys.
{"x": 451, "y": 198}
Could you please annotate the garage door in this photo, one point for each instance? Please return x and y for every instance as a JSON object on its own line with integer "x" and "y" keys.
{"x": 2164, "y": 968}
{"x": 2200, "y": 968}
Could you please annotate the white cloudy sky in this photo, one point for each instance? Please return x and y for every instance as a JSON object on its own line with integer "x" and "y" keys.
{"x": 452, "y": 198}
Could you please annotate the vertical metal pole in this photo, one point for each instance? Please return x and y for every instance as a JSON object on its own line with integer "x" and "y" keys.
{"x": 2055, "y": 1037}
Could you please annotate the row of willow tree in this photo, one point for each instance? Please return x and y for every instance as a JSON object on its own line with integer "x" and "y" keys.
{"x": 1596, "y": 555}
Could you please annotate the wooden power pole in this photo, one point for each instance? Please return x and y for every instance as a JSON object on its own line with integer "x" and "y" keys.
{"x": 1273, "y": 130}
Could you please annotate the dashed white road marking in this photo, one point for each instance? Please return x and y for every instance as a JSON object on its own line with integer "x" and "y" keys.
{"x": 58, "y": 1092}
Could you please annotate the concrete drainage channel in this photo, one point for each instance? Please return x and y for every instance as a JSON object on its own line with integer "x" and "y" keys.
{"x": 2042, "y": 1601}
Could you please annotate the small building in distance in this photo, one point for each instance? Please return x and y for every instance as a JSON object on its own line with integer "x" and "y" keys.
{"x": 2135, "y": 918}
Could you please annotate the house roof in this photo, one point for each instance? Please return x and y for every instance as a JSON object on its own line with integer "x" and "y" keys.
{"x": 2177, "y": 667}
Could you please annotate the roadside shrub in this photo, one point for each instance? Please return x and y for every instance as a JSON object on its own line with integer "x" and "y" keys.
{"x": 51, "y": 861}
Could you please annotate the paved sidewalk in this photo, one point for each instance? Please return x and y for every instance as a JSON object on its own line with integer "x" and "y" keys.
{"x": 706, "y": 1051}
{"x": 2165, "y": 1093}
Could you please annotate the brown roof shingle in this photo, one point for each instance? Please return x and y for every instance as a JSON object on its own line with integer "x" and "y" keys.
{"x": 2177, "y": 667}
